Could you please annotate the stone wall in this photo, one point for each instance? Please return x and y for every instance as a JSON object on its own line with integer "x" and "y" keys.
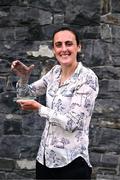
{"x": 26, "y": 27}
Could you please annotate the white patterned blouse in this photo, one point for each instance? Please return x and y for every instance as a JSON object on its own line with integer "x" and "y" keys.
{"x": 68, "y": 113}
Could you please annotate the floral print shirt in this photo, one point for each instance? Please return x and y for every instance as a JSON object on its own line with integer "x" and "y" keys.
{"x": 68, "y": 113}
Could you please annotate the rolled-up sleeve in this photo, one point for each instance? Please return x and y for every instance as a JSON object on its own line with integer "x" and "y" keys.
{"x": 35, "y": 89}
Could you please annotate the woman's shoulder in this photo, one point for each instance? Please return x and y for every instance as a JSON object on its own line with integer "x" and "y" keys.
{"x": 56, "y": 69}
{"x": 88, "y": 71}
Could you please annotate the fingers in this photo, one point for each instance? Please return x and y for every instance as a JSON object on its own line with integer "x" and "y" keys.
{"x": 31, "y": 67}
{"x": 24, "y": 104}
{"x": 23, "y": 101}
{"x": 20, "y": 67}
{"x": 29, "y": 104}
{"x": 15, "y": 64}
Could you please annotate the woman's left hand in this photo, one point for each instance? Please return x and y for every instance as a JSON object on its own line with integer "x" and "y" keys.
{"x": 29, "y": 104}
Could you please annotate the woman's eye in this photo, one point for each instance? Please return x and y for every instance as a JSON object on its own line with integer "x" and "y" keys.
{"x": 69, "y": 43}
{"x": 58, "y": 44}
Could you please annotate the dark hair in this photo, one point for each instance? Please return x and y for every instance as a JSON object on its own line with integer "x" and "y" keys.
{"x": 66, "y": 29}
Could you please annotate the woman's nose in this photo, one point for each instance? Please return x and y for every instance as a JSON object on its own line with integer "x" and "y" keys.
{"x": 64, "y": 47}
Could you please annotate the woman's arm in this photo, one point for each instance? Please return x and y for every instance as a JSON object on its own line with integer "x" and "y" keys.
{"x": 80, "y": 110}
{"x": 36, "y": 88}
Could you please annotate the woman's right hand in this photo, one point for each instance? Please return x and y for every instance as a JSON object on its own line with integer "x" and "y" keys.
{"x": 21, "y": 69}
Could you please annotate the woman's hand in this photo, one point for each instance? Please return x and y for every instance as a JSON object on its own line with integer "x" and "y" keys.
{"x": 29, "y": 104}
{"x": 21, "y": 69}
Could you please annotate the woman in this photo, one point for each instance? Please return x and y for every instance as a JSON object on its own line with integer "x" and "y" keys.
{"x": 71, "y": 90}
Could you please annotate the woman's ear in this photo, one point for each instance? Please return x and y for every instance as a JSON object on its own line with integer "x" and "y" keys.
{"x": 79, "y": 48}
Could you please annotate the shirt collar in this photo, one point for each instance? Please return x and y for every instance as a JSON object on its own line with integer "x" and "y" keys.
{"x": 73, "y": 77}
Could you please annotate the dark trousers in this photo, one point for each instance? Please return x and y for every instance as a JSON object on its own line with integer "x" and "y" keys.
{"x": 77, "y": 169}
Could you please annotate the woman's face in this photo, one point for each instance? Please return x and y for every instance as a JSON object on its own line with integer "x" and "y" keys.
{"x": 65, "y": 47}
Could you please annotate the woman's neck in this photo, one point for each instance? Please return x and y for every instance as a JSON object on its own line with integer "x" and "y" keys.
{"x": 67, "y": 71}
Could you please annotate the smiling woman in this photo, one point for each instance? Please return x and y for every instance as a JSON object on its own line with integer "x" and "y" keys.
{"x": 71, "y": 90}
{"x": 66, "y": 47}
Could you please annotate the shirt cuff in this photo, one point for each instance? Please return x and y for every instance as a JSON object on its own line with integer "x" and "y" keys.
{"x": 44, "y": 112}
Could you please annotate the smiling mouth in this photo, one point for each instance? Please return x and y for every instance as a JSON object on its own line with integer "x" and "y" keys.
{"x": 65, "y": 55}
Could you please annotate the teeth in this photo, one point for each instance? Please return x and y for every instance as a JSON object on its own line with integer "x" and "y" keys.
{"x": 65, "y": 54}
